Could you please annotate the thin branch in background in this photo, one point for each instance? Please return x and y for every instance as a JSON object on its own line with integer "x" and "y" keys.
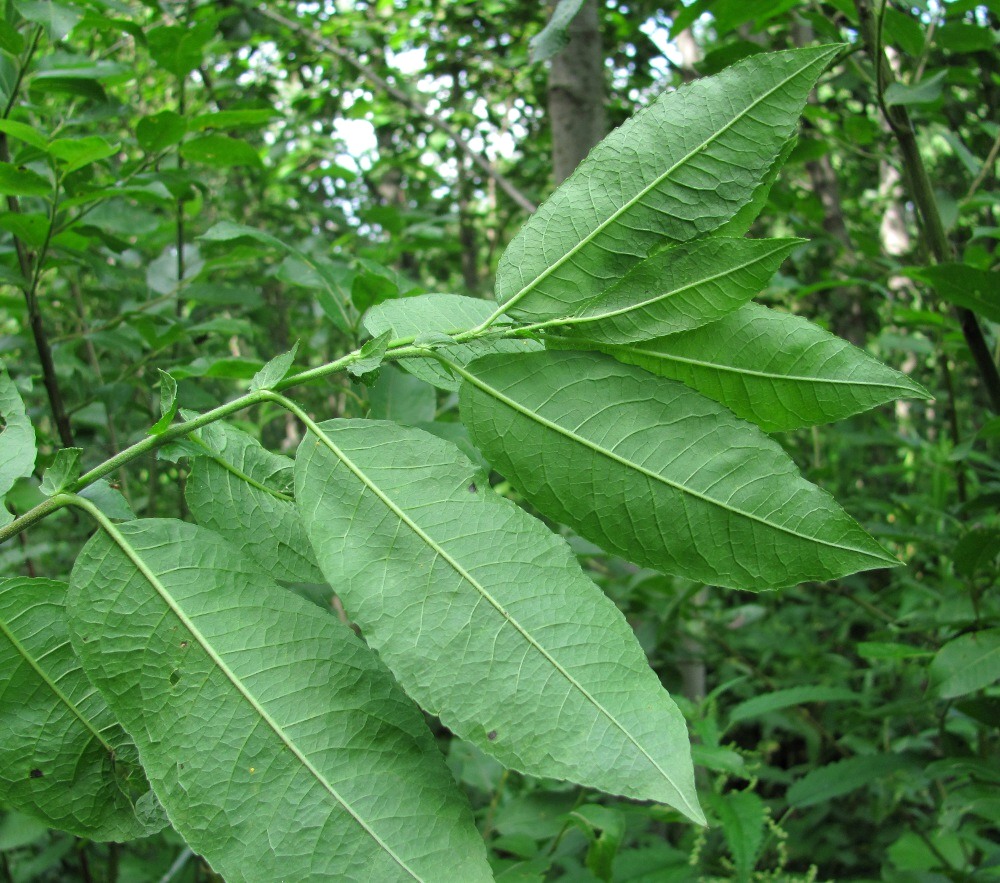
{"x": 31, "y": 267}
{"x": 922, "y": 192}
{"x": 378, "y": 80}
{"x": 987, "y": 168}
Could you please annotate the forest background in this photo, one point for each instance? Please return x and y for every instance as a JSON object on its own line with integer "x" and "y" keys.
{"x": 232, "y": 178}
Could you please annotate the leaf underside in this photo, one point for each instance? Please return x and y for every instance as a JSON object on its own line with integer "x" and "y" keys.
{"x": 238, "y": 501}
{"x": 484, "y": 615}
{"x": 63, "y": 756}
{"x": 677, "y": 170}
{"x": 279, "y": 746}
{"x": 657, "y": 473}
{"x": 680, "y": 288}
{"x": 774, "y": 369}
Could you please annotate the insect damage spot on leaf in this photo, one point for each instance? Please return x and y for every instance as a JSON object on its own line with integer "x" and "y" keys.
{"x": 491, "y": 735}
{"x": 472, "y": 488}
{"x": 36, "y": 774}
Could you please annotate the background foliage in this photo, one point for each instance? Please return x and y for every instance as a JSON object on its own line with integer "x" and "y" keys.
{"x": 231, "y": 178}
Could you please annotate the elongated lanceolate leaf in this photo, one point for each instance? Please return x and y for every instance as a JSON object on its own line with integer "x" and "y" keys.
{"x": 966, "y": 664}
{"x": 778, "y": 370}
{"x": 484, "y": 615}
{"x": 445, "y": 314}
{"x": 836, "y": 779}
{"x": 680, "y": 288}
{"x": 676, "y": 170}
{"x": 658, "y": 473}
{"x": 278, "y": 744}
{"x": 63, "y": 756}
{"x": 236, "y": 489}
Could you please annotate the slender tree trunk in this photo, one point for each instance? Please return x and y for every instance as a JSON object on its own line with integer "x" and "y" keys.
{"x": 576, "y": 93}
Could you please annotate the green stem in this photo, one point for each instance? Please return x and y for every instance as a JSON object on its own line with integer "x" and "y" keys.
{"x": 399, "y": 349}
{"x": 21, "y": 68}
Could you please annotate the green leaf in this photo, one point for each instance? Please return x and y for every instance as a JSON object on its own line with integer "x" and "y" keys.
{"x": 371, "y": 355}
{"x": 160, "y": 130}
{"x": 109, "y": 500}
{"x": 966, "y": 664}
{"x": 401, "y": 397}
{"x": 553, "y": 36}
{"x": 657, "y": 473}
{"x": 11, "y": 40}
{"x": 75, "y": 153}
{"x": 31, "y": 228}
{"x": 168, "y": 404}
{"x": 789, "y": 698}
{"x": 681, "y": 288}
{"x": 239, "y": 489}
{"x": 605, "y": 829}
{"x": 964, "y": 286}
{"x": 27, "y": 134}
{"x": 274, "y": 371}
{"x": 220, "y": 152}
{"x": 278, "y": 744}
{"x": 742, "y": 814}
{"x": 333, "y": 299}
{"x": 774, "y": 369}
{"x": 977, "y": 551}
{"x": 57, "y": 18}
{"x": 740, "y": 223}
{"x": 17, "y": 440}
{"x": 65, "y": 469}
{"x": 180, "y": 49}
{"x": 63, "y": 757}
{"x": 484, "y": 615}
{"x": 22, "y": 182}
{"x": 233, "y": 119}
{"x": 924, "y": 92}
{"x": 889, "y": 650}
{"x": 677, "y": 170}
{"x": 412, "y": 317}
{"x": 843, "y": 777}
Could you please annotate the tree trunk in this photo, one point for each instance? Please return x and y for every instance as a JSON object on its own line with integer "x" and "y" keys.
{"x": 576, "y": 93}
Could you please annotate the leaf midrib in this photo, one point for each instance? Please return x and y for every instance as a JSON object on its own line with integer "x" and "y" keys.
{"x": 628, "y": 464}
{"x": 704, "y": 280}
{"x": 656, "y": 182}
{"x": 237, "y": 683}
{"x": 484, "y": 593}
{"x": 52, "y": 685}
{"x": 764, "y": 375}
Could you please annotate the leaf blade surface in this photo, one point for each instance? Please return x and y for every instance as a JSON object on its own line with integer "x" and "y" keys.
{"x": 680, "y": 288}
{"x": 656, "y": 472}
{"x": 772, "y": 368}
{"x": 63, "y": 758}
{"x": 676, "y": 170}
{"x": 484, "y": 615}
{"x": 279, "y": 746}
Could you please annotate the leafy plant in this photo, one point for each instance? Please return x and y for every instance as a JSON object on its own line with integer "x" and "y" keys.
{"x": 612, "y": 384}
